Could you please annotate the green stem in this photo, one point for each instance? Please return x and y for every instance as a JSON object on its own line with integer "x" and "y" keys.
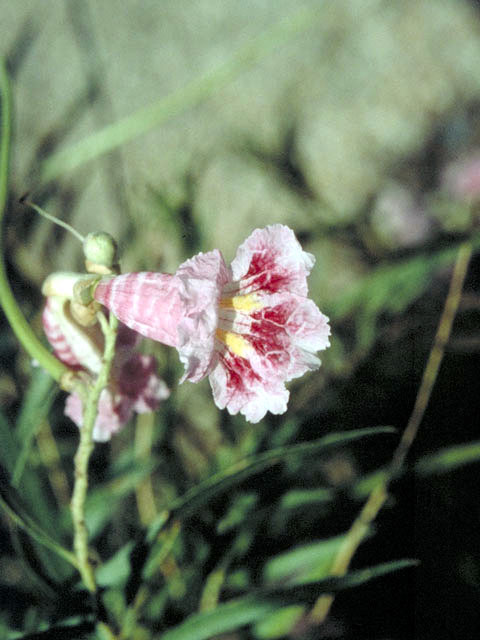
{"x": 85, "y": 448}
{"x": 379, "y": 494}
{"x": 14, "y": 315}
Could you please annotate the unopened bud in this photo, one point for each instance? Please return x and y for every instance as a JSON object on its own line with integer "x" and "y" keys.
{"x": 100, "y": 251}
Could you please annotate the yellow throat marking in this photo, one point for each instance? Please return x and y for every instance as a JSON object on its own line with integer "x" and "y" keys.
{"x": 234, "y": 342}
{"x": 246, "y": 303}
{"x": 237, "y": 344}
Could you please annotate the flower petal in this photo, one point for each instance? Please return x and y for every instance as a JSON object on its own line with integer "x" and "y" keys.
{"x": 238, "y": 388}
{"x": 203, "y": 278}
{"x": 285, "y": 336}
{"x": 272, "y": 260}
{"x": 76, "y": 346}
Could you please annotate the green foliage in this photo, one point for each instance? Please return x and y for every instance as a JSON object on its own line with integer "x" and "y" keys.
{"x": 209, "y": 525}
{"x": 219, "y": 483}
{"x": 303, "y": 564}
{"x": 390, "y": 289}
{"x": 35, "y": 408}
{"x": 449, "y": 459}
{"x": 262, "y": 602}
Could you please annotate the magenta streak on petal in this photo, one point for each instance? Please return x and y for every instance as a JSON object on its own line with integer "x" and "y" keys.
{"x": 264, "y": 274}
{"x": 271, "y": 260}
{"x": 146, "y": 302}
{"x": 240, "y": 376}
{"x": 57, "y": 339}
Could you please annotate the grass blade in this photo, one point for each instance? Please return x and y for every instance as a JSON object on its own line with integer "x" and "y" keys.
{"x": 449, "y": 458}
{"x": 128, "y": 128}
{"x": 220, "y": 482}
{"x": 35, "y": 408}
{"x": 262, "y": 602}
{"x": 10, "y": 504}
{"x": 9, "y": 448}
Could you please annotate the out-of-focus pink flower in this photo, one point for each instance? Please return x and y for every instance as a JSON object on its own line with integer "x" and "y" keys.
{"x": 134, "y": 385}
{"x": 461, "y": 178}
{"x": 249, "y": 327}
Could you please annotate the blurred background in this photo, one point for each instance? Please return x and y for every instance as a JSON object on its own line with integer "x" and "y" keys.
{"x": 182, "y": 126}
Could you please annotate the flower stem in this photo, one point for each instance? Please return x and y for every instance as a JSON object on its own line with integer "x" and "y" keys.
{"x": 85, "y": 448}
{"x": 379, "y": 494}
{"x": 19, "y": 324}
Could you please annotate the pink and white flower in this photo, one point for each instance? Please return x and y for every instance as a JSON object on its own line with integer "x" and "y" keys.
{"x": 134, "y": 386}
{"x": 250, "y": 327}
{"x": 461, "y": 178}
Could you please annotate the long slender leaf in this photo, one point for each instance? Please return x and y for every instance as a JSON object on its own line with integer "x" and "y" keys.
{"x": 391, "y": 288}
{"x": 14, "y": 511}
{"x": 449, "y": 458}
{"x": 303, "y": 564}
{"x": 262, "y": 602}
{"x": 198, "y": 90}
{"x": 35, "y": 407}
{"x": 104, "y": 499}
{"x": 9, "y": 445}
{"x": 198, "y": 496}
{"x": 279, "y": 623}
{"x": 31, "y": 490}
{"x": 63, "y": 632}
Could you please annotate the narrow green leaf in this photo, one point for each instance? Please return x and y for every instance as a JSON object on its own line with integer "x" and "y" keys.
{"x": 364, "y": 486}
{"x": 198, "y": 496}
{"x": 116, "y": 570}
{"x": 32, "y": 492}
{"x": 299, "y": 498}
{"x": 35, "y": 407}
{"x": 130, "y": 127}
{"x": 63, "y": 632}
{"x": 449, "y": 458}
{"x": 15, "y": 317}
{"x": 10, "y": 504}
{"x": 226, "y": 617}
{"x": 306, "y": 563}
{"x": 9, "y": 445}
{"x": 279, "y": 623}
{"x": 391, "y": 288}
{"x": 262, "y": 602}
{"x": 237, "y": 513}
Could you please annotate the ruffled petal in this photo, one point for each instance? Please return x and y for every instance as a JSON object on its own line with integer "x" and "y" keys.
{"x": 239, "y": 389}
{"x": 147, "y": 302}
{"x": 268, "y": 331}
{"x": 285, "y": 336}
{"x": 264, "y": 340}
{"x": 271, "y": 260}
{"x": 203, "y": 278}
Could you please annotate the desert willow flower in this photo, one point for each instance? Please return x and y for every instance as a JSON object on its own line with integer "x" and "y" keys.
{"x": 249, "y": 327}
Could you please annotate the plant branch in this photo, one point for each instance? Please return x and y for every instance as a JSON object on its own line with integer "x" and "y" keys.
{"x": 379, "y": 493}
{"x": 85, "y": 448}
